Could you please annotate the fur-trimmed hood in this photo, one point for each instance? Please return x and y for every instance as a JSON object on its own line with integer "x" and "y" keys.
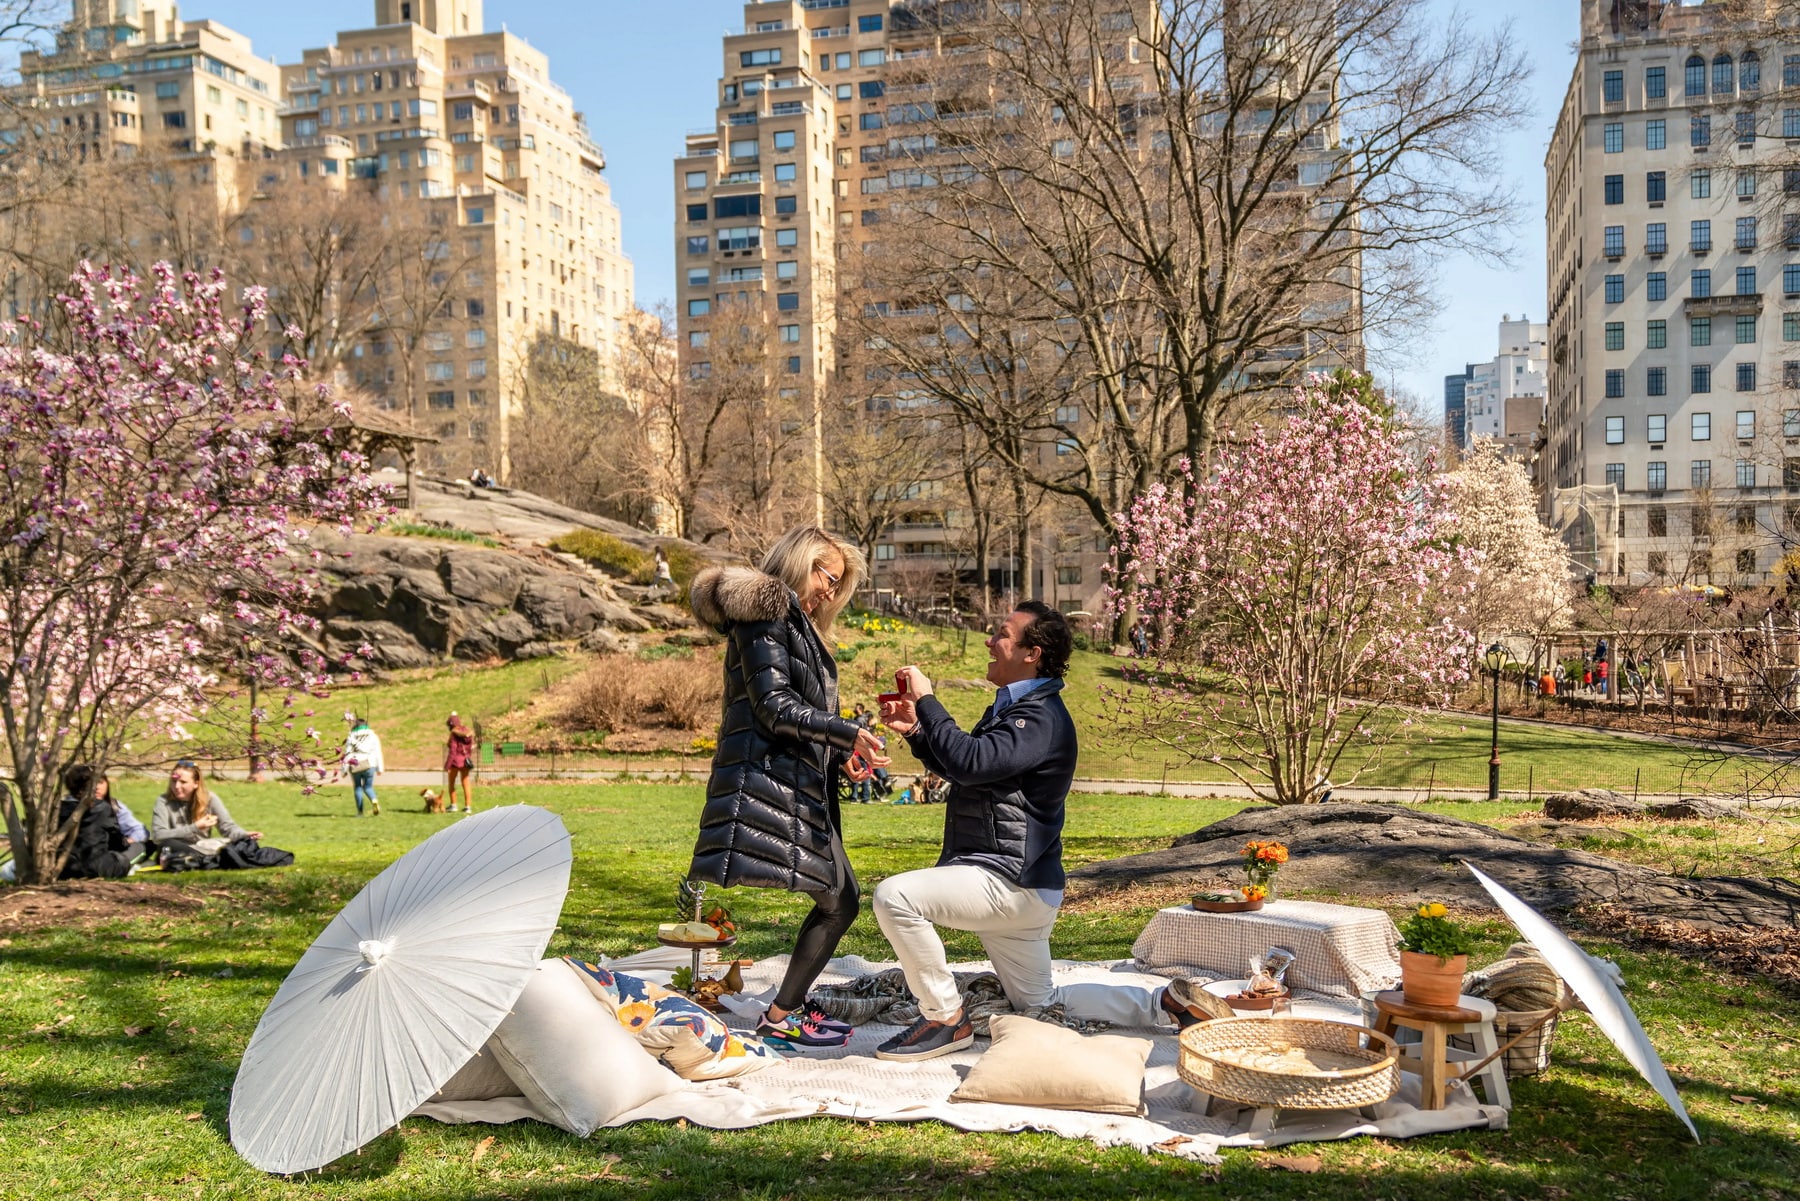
{"x": 723, "y": 595}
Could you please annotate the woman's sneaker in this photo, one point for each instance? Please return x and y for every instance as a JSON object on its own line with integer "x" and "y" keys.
{"x": 824, "y": 1021}
{"x": 796, "y": 1030}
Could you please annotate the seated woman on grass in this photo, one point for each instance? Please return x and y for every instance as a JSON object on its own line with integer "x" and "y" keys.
{"x": 189, "y": 816}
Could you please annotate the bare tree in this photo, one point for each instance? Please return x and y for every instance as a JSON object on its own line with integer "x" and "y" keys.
{"x": 1175, "y": 208}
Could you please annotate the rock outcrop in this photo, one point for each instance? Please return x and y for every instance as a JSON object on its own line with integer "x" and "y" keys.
{"x": 417, "y": 602}
{"x": 1590, "y": 804}
{"x": 1405, "y": 854}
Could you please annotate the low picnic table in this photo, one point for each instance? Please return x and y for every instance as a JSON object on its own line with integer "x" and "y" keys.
{"x": 1339, "y": 950}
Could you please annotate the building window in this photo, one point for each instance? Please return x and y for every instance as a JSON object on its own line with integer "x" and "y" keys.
{"x": 1790, "y": 423}
{"x": 1700, "y": 476}
{"x": 870, "y": 58}
{"x": 699, "y": 277}
{"x": 1694, "y": 76}
{"x": 1656, "y": 240}
{"x": 1068, "y": 575}
{"x": 1790, "y": 327}
{"x": 869, "y": 121}
{"x": 1656, "y": 186}
{"x": 1656, "y": 83}
{"x": 1746, "y": 128}
{"x": 1700, "y": 427}
{"x": 1615, "y": 383}
{"x": 782, "y": 139}
{"x": 1615, "y": 189}
{"x": 1700, "y": 283}
{"x": 787, "y": 302}
{"x": 1699, "y": 331}
{"x": 1657, "y": 562}
{"x": 1615, "y": 289}
{"x": 1746, "y": 281}
{"x": 1700, "y": 564}
{"x": 790, "y": 333}
{"x": 1656, "y": 286}
{"x": 1615, "y": 474}
{"x": 1790, "y": 122}
{"x": 787, "y": 205}
{"x": 1656, "y": 335}
{"x": 1745, "y": 330}
{"x": 1700, "y": 378}
{"x": 1746, "y": 562}
{"x": 1722, "y": 73}
{"x": 1615, "y": 241}
{"x": 1615, "y": 335}
{"x": 440, "y": 371}
{"x": 1750, "y": 71}
{"x": 1656, "y": 479}
{"x": 1746, "y": 233}
{"x": 1615, "y": 431}
{"x": 788, "y": 270}
{"x": 1746, "y": 423}
{"x": 1612, "y": 87}
{"x": 793, "y": 365}
{"x": 784, "y": 172}
{"x": 699, "y": 308}
{"x": 1613, "y": 137}
{"x": 868, "y": 24}
{"x": 696, "y": 180}
{"x": 1790, "y": 478}
{"x": 440, "y": 400}
{"x": 477, "y": 369}
{"x": 1700, "y": 131}
{"x": 1746, "y": 382}
{"x": 1746, "y": 184}
{"x": 1700, "y": 236}
{"x": 787, "y": 237}
{"x": 1656, "y": 381}
{"x": 698, "y": 244}
{"x": 1790, "y": 279}
{"x": 1656, "y": 135}
{"x": 759, "y": 58}
{"x": 699, "y": 339}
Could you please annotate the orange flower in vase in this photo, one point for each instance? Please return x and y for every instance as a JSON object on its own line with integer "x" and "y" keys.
{"x": 1262, "y": 859}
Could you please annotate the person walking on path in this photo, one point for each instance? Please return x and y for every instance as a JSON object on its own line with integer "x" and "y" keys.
{"x": 1000, "y": 874}
{"x": 459, "y": 761}
{"x": 771, "y": 817}
{"x": 362, "y": 760}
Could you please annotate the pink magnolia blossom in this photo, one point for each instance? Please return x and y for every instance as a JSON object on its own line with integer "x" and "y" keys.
{"x": 1300, "y": 595}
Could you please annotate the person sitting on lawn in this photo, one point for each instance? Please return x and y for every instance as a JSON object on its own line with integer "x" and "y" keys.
{"x": 137, "y": 838}
{"x": 189, "y": 817}
{"x": 101, "y": 850}
{"x": 1000, "y": 875}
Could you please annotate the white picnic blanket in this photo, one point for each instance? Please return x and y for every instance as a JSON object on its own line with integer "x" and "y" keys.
{"x": 1343, "y": 950}
{"x": 851, "y": 1083}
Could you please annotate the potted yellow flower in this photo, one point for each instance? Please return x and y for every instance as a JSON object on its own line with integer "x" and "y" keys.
{"x": 1434, "y": 954}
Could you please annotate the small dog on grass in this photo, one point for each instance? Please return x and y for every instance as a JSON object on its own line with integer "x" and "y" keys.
{"x": 433, "y": 802}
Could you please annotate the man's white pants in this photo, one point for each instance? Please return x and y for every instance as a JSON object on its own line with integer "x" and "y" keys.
{"x": 1014, "y": 925}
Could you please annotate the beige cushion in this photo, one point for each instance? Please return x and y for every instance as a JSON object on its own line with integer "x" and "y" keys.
{"x": 480, "y": 1079}
{"x": 575, "y": 1064}
{"x": 1035, "y": 1063}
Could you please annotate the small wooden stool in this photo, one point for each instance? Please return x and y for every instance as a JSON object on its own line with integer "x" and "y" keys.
{"x": 1433, "y": 1060}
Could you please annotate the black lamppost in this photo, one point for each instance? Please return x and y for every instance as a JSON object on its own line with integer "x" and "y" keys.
{"x": 1495, "y": 658}
{"x": 253, "y": 648}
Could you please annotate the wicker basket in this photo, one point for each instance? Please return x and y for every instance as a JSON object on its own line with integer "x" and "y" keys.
{"x": 1531, "y": 1054}
{"x": 1346, "y": 1088}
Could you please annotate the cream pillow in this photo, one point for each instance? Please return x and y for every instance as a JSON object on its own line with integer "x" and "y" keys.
{"x": 480, "y": 1079}
{"x": 575, "y": 1064}
{"x": 1035, "y": 1063}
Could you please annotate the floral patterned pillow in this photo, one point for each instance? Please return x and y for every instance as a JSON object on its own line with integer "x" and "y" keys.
{"x": 696, "y": 1044}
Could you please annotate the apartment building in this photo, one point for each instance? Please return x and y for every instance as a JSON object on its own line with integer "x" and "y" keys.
{"x": 461, "y": 129}
{"x": 126, "y": 74}
{"x": 1674, "y": 294}
{"x": 814, "y": 134}
{"x": 1456, "y": 409}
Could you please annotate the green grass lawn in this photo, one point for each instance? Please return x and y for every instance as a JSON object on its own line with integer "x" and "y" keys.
{"x": 90, "y": 1110}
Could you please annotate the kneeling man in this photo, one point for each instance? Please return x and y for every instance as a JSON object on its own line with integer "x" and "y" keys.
{"x": 1000, "y": 875}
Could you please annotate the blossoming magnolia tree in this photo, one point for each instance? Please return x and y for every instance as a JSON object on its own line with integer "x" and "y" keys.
{"x": 1299, "y": 597}
{"x": 156, "y": 491}
{"x": 1523, "y": 586}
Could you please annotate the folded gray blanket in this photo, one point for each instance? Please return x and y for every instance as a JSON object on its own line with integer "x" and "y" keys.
{"x": 884, "y": 997}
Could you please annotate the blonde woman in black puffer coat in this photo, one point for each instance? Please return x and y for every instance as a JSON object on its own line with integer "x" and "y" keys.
{"x": 771, "y": 818}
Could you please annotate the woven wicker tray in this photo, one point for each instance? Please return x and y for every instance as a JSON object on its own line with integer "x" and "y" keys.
{"x": 1375, "y": 1078}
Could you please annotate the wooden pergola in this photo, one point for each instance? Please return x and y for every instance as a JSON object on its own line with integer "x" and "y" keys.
{"x": 372, "y": 432}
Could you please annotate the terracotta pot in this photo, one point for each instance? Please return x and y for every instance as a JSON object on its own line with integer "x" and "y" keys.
{"x": 1428, "y": 980}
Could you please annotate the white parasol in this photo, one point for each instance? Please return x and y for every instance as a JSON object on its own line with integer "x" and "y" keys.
{"x": 1605, "y": 1003}
{"x": 402, "y": 988}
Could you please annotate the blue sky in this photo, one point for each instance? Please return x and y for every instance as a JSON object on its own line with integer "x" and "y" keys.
{"x": 644, "y": 73}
